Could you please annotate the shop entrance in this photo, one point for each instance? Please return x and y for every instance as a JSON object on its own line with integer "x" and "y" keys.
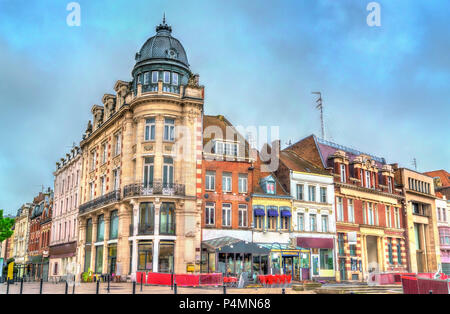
{"x": 288, "y": 265}
{"x": 372, "y": 250}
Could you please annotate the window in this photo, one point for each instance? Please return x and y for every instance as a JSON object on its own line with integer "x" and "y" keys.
{"x": 146, "y": 78}
{"x": 361, "y": 176}
{"x": 370, "y": 214}
{"x": 258, "y": 211}
{"x": 169, "y": 129}
{"x": 226, "y": 215}
{"x": 243, "y": 183}
{"x": 145, "y": 255}
{"x": 166, "y": 256}
{"x": 103, "y": 185}
{"x": 146, "y": 218}
{"x": 343, "y": 173}
{"x": 87, "y": 258}
{"x": 339, "y": 209}
{"x": 93, "y": 161}
{"x": 219, "y": 148}
{"x": 242, "y": 215}
{"x": 324, "y": 223}
{"x": 118, "y": 145}
{"x": 391, "y": 258}
{"x": 300, "y": 192}
{"x": 116, "y": 178}
{"x": 272, "y": 219}
{"x": 301, "y": 222}
{"x": 174, "y": 78}
{"x": 439, "y": 214}
{"x": 326, "y": 259}
{"x": 154, "y": 77}
{"x": 114, "y": 225}
{"x": 166, "y": 77}
{"x": 148, "y": 172}
{"x": 91, "y": 193}
{"x": 150, "y": 129}
{"x": 388, "y": 217}
{"x": 313, "y": 222}
{"x": 390, "y": 184}
{"x": 168, "y": 172}
{"x": 399, "y": 253}
{"x": 352, "y": 248}
{"x": 89, "y": 230}
{"x": 444, "y": 214}
{"x": 367, "y": 179}
{"x": 351, "y": 211}
{"x": 323, "y": 195}
{"x": 270, "y": 187}
{"x": 397, "y": 218}
{"x": 99, "y": 259}
{"x": 230, "y": 149}
{"x": 210, "y": 211}
{"x": 341, "y": 243}
{"x": 167, "y": 219}
{"x": 100, "y": 228}
{"x": 210, "y": 181}
{"x": 226, "y": 182}
{"x": 311, "y": 193}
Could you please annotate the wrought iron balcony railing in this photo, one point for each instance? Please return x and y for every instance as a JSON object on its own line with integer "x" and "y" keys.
{"x": 155, "y": 188}
{"x": 103, "y": 200}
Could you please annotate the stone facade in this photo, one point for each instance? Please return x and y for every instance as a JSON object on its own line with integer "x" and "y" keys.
{"x": 141, "y": 162}
{"x": 420, "y": 208}
{"x": 66, "y": 200}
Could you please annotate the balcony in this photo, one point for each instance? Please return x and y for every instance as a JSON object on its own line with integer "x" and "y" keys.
{"x": 103, "y": 200}
{"x": 155, "y": 188}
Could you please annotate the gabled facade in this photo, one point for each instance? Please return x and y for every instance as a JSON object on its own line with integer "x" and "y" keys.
{"x": 20, "y": 238}
{"x": 313, "y": 215}
{"x": 370, "y": 220}
{"x": 443, "y": 225}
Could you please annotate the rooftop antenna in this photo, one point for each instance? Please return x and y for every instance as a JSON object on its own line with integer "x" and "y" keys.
{"x": 320, "y": 107}
{"x": 415, "y": 163}
{"x": 164, "y": 18}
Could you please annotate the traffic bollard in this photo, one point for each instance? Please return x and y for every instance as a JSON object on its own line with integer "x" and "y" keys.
{"x": 175, "y": 288}
{"x": 67, "y": 288}
{"x": 21, "y": 285}
{"x": 108, "y": 282}
{"x": 224, "y": 289}
{"x": 73, "y": 290}
{"x": 98, "y": 287}
{"x": 171, "y": 280}
{"x": 7, "y": 285}
{"x": 142, "y": 280}
{"x": 134, "y": 287}
{"x": 283, "y": 291}
{"x": 41, "y": 284}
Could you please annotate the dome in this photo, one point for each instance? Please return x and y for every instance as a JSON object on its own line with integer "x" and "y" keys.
{"x": 162, "y": 48}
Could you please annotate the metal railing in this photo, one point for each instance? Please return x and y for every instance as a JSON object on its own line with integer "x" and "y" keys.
{"x": 103, "y": 200}
{"x": 157, "y": 187}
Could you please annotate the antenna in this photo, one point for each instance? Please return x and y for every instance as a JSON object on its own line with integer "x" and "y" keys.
{"x": 414, "y": 162}
{"x": 320, "y": 107}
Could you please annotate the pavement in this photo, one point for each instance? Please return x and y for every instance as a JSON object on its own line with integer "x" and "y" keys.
{"x": 127, "y": 288}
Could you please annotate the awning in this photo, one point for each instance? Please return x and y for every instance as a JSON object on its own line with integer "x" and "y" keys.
{"x": 316, "y": 243}
{"x": 259, "y": 212}
{"x": 286, "y": 213}
{"x": 272, "y": 213}
{"x": 233, "y": 245}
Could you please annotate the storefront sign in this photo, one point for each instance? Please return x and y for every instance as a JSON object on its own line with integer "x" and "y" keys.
{"x": 190, "y": 268}
{"x": 10, "y": 270}
{"x": 352, "y": 238}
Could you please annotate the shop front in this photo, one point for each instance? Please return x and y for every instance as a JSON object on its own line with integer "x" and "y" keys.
{"x": 322, "y": 264}
{"x": 232, "y": 257}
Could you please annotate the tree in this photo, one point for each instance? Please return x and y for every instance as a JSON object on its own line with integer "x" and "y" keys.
{"x": 6, "y": 224}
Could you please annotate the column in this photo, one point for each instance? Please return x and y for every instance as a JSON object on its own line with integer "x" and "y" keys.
{"x": 363, "y": 255}
{"x": 123, "y": 245}
{"x": 94, "y": 239}
{"x": 107, "y": 216}
{"x": 81, "y": 242}
{"x": 134, "y": 261}
{"x": 156, "y": 240}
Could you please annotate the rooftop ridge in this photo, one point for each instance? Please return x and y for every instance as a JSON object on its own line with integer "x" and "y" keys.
{"x": 350, "y": 150}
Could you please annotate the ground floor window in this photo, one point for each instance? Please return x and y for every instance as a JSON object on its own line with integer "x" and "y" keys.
{"x": 112, "y": 258}
{"x": 145, "y": 256}
{"x": 166, "y": 256}
{"x": 99, "y": 259}
{"x": 326, "y": 259}
{"x": 87, "y": 258}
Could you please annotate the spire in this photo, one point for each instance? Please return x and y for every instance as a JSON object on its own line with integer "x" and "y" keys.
{"x": 163, "y": 27}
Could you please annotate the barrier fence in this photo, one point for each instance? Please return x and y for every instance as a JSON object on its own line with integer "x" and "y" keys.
{"x": 182, "y": 280}
{"x": 421, "y": 285}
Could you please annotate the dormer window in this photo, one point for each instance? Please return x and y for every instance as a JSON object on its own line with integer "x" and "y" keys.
{"x": 367, "y": 179}
{"x": 268, "y": 185}
{"x": 223, "y": 148}
{"x": 146, "y": 78}
{"x": 175, "y": 79}
{"x": 166, "y": 77}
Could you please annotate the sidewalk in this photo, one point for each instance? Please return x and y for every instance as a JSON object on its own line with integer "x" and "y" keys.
{"x": 127, "y": 288}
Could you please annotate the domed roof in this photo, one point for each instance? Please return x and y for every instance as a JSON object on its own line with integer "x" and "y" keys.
{"x": 163, "y": 46}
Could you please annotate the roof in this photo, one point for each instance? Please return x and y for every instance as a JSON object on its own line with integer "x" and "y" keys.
{"x": 163, "y": 46}
{"x": 233, "y": 245}
{"x": 224, "y": 125}
{"x": 294, "y": 162}
{"x": 443, "y": 175}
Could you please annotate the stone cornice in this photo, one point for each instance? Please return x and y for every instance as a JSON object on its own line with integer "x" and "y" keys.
{"x": 363, "y": 189}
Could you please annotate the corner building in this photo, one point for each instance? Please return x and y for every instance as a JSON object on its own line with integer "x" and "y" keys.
{"x": 142, "y": 159}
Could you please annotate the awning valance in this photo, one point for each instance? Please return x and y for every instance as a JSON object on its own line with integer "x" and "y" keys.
{"x": 286, "y": 213}
{"x": 272, "y": 213}
{"x": 316, "y": 243}
{"x": 259, "y": 212}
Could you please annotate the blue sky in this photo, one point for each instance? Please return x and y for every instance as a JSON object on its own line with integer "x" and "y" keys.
{"x": 385, "y": 89}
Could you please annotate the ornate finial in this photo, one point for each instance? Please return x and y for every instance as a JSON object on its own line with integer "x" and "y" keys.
{"x": 163, "y": 26}
{"x": 164, "y": 18}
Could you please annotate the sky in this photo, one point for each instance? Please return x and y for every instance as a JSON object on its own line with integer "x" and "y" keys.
{"x": 385, "y": 89}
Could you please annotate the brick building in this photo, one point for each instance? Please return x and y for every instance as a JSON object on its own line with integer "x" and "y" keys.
{"x": 370, "y": 220}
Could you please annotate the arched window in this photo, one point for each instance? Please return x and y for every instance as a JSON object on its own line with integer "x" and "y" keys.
{"x": 391, "y": 259}
{"x": 399, "y": 254}
{"x": 114, "y": 225}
